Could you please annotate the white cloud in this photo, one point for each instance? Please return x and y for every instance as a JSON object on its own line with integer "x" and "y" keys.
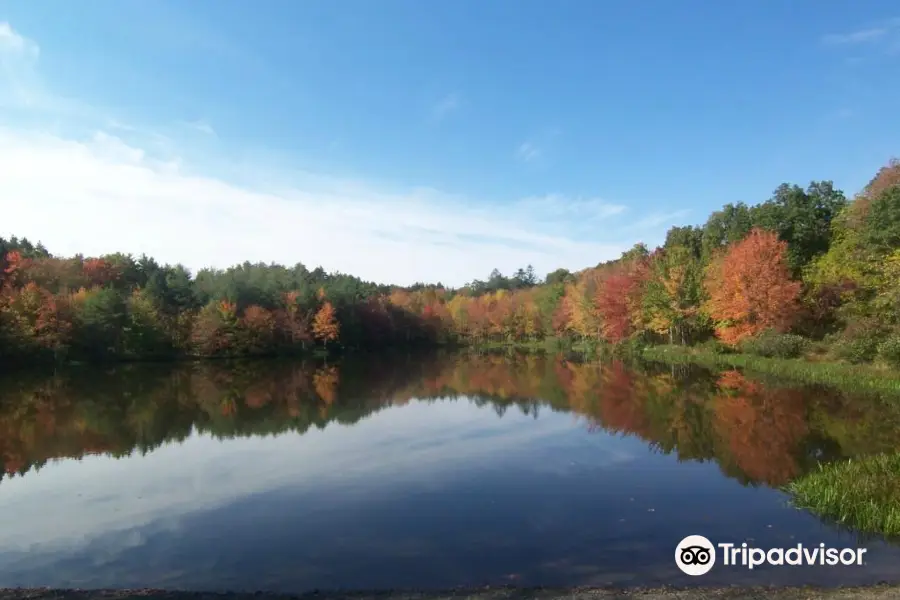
{"x": 201, "y": 126}
{"x": 856, "y": 37}
{"x": 18, "y": 57}
{"x": 657, "y": 220}
{"x": 102, "y": 195}
{"x": 125, "y": 187}
{"x": 573, "y": 210}
{"x": 11, "y": 41}
{"x": 528, "y": 151}
{"x": 867, "y": 35}
{"x": 21, "y": 85}
{"x": 448, "y": 104}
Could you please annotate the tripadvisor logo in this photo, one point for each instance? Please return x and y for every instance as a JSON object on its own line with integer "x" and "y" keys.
{"x": 696, "y": 555}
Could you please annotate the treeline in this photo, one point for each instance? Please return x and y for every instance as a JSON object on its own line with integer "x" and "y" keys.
{"x": 757, "y": 433}
{"x": 117, "y": 306}
{"x": 805, "y": 264}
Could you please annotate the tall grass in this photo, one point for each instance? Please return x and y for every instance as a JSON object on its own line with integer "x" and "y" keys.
{"x": 839, "y": 375}
{"x": 863, "y": 494}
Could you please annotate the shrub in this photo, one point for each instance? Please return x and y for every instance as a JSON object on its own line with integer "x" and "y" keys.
{"x": 714, "y": 346}
{"x": 857, "y": 350}
{"x": 772, "y": 344}
{"x": 859, "y": 342}
{"x": 889, "y": 351}
{"x": 629, "y": 347}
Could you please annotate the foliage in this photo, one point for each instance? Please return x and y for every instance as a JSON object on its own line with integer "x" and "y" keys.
{"x": 750, "y": 289}
{"x": 325, "y": 326}
{"x": 772, "y": 344}
{"x": 859, "y": 341}
{"x": 889, "y": 351}
{"x": 617, "y": 300}
{"x": 715, "y": 346}
{"x": 673, "y": 293}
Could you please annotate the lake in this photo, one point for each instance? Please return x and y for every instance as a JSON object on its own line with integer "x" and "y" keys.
{"x": 428, "y": 471}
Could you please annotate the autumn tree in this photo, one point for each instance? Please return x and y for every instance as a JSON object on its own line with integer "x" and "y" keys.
{"x": 618, "y": 299}
{"x": 750, "y": 289}
{"x": 292, "y": 320}
{"x": 36, "y": 320}
{"x": 257, "y": 330}
{"x": 99, "y": 272}
{"x": 12, "y": 270}
{"x": 215, "y": 329}
{"x": 325, "y": 325}
{"x": 673, "y": 294}
{"x": 583, "y": 317}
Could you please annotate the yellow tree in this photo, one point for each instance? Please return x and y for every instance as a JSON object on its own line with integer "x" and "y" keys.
{"x": 582, "y": 312}
{"x": 325, "y": 325}
{"x": 459, "y": 314}
{"x": 672, "y": 296}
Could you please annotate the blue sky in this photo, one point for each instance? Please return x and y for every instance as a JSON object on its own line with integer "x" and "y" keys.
{"x": 403, "y": 140}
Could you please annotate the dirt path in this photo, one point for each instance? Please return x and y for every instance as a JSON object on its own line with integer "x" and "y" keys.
{"x": 731, "y": 593}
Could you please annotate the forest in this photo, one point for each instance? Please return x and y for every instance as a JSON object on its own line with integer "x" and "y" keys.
{"x": 806, "y": 272}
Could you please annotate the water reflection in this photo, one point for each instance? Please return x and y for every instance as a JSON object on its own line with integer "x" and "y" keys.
{"x": 394, "y": 472}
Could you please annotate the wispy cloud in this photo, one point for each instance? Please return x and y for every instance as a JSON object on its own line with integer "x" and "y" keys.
{"x": 21, "y": 86}
{"x": 126, "y": 187}
{"x": 867, "y": 35}
{"x": 539, "y": 145}
{"x": 580, "y": 210}
{"x": 199, "y": 125}
{"x": 658, "y": 220}
{"x": 861, "y": 36}
{"x": 528, "y": 151}
{"x": 446, "y": 105}
{"x": 116, "y": 124}
{"x": 18, "y": 57}
{"x": 155, "y": 207}
{"x": 12, "y": 41}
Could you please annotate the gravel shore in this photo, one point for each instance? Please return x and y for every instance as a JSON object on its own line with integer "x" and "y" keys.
{"x": 879, "y": 592}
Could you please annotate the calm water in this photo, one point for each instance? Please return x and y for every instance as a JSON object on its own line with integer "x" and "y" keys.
{"x": 433, "y": 472}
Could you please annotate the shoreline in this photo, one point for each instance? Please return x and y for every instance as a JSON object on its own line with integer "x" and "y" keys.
{"x": 848, "y": 377}
{"x": 873, "y": 592}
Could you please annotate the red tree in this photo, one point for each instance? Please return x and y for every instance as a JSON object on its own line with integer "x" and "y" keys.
{"x": 750, "y": 288}
{"x": 617, "y": 298}
{"x": 99, "y": 272}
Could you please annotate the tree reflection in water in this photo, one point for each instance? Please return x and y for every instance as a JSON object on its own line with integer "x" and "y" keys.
{"x": 758, "y": 432}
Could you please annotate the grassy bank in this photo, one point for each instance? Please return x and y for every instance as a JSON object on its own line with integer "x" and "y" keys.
{"x": 839, "y": 375}
{"x": 549, "y": 344}
{"x": 863, "y": 494}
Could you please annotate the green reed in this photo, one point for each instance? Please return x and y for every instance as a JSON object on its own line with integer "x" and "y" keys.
{"x": 843, "y": 376}
{"x": 862, "y": 494}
